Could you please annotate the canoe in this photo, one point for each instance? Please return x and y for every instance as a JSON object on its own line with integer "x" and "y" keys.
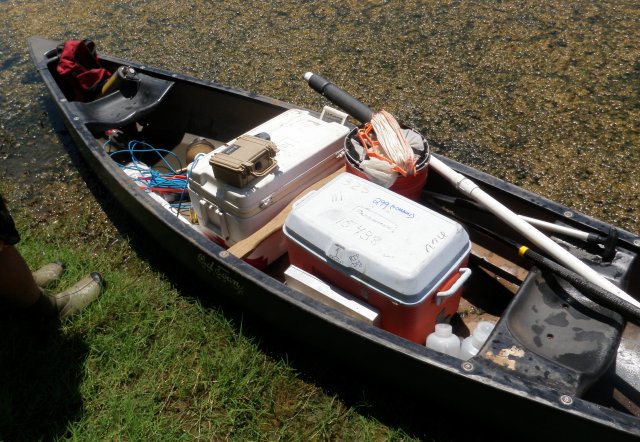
{"x": 555, "y": 363}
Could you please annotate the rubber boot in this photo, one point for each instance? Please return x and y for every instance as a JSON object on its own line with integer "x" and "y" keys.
{"x": 78, "y": 296}
{"x": 45, "y": 276}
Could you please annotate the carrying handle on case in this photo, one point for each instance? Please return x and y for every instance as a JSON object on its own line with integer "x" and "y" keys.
{"x": 256, "y": 174}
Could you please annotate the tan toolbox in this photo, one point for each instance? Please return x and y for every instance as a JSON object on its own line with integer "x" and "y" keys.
{"x": 247, "y": 158}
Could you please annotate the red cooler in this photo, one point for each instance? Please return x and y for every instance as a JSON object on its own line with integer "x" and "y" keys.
{"x": 400, "y": 257}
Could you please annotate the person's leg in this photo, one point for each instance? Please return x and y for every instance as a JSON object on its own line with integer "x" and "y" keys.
{"x": 17, "y": 285}
{"x": 20, "y": 288}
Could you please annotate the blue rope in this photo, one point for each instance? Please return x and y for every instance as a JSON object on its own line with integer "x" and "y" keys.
{"x": 147, "y": 176}
{"x": 151, "y": 178}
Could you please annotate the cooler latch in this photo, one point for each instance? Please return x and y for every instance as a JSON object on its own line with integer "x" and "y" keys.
{"x": 465, "y": 273}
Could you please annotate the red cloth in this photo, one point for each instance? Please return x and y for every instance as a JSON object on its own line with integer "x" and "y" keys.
{"x": 81, "y": 75}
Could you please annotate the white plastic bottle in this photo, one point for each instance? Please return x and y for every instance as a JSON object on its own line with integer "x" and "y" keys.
{"x": 443, "y": 340}
{"x": 472, "y": 344}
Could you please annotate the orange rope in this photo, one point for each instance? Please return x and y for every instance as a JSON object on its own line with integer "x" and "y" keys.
{"x": 366, "y": 135}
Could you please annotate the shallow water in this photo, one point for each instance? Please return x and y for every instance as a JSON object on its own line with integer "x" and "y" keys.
{"x": 546, "y": 97}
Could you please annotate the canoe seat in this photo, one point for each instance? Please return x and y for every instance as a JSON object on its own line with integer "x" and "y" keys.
{"x": 554, "y": 335}
{"x": 119, "y": 108}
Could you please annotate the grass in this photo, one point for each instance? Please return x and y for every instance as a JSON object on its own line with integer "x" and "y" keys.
{"x": 153, "y": 361}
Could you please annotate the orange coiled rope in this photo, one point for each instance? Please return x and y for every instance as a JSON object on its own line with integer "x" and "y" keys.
{"x": 383, "y": 139}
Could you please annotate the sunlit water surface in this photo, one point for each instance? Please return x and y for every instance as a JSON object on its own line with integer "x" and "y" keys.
{"x": 546, "y": 97}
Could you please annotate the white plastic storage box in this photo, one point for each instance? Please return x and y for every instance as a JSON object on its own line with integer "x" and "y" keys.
{"x": 308, "y": 150}
{"x": 327, "y": 294}
{"x": 402, "y": 258}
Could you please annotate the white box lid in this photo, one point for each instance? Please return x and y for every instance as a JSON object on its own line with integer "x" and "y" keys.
{"x": 303, "y": 142}
{"x": 379, "y": 237}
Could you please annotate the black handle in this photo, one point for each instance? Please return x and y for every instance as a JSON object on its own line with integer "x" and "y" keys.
{"x": 339, "y": 97}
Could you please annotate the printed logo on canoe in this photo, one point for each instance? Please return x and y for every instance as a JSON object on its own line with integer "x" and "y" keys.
{"x": 221, "y": 273}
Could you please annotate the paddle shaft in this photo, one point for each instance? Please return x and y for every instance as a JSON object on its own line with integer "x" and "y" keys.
{"x": 470, "y": 189}
{"x": 591, "y": 291}
{"x": 347, "y": 102}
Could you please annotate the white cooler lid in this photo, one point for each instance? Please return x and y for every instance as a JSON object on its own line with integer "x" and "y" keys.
{"x": 303, "y": 142}
{"x": 379, "y": 237}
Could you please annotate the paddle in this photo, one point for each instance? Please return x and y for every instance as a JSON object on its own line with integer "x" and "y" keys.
{"x": 470, "y": 189}
{"x": 591, "y": 291}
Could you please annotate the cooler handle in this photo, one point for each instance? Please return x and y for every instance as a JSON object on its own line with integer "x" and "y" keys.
{"x": 465, "y": 273}
{"x": 214, "y": 218}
